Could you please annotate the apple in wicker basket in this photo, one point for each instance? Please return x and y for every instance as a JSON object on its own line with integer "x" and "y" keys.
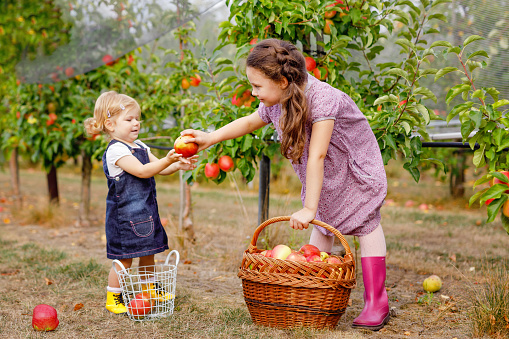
{"x": 281, "y": 252}
{"x": 309, "y": 250}
{"x": 140, "y": 306}
{"x": 333, "y": 260}
{"x": 314, "y": 258}
{"x": 296, "y": 256}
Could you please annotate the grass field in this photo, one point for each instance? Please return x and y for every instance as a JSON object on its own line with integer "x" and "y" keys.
{"x": 46, "y": 257}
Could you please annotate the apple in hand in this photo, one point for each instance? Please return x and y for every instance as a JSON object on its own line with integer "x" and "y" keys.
{"x": 281, "y": 252}
{"x": 211, "y": 170}
{"x": 309, "y": 249}
{"x": 186, "y": 149}
{"x": 296, "y": 256}
{"x": 225, "y": 163}
{"x": 140, "y": 306}
{"x": 44, "y": 318}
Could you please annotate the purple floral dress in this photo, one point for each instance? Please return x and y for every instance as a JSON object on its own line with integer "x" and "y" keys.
{"x": 354, "y": 183}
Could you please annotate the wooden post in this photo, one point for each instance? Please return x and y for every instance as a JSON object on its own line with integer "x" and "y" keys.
{"x": 52, "y": 185}
{"x": 86, "y": 179}
{"x": 14, "y": 169}
{"x": 263, "y": 190}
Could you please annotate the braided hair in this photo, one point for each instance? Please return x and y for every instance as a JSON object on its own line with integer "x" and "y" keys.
{"x": 278, "y": 59}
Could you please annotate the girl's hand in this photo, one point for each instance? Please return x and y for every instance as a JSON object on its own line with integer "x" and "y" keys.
{"x": 173, "y": 157}
{"x": 203, "y": 139}
{"x": 186, "y": 164}
{"x": 300, "y": 219}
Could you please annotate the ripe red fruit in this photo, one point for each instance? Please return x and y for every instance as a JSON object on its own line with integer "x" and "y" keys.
{"x": 320, "y": 73}
{"x": 401, "y": 103}
{"x": 498, "y": 181}
{"x": 236, "y": 101}
{"x": 313, "y": 258}
{"x": 195, "y": 80}
{"x": 253, "y": 41}
{"x": 108, "y": 60}
{"x": 186, "y": 149}
{"x": 308, "y": 250}
{"x": 130, "y": 59}
{"x": 225, "y": 163}
{"x": 140, "y": 306}
{"x": 333, "y": 260}
{"x": 185, "y": 83}
{"x": 296, "y": 256}
{"x": 330, "y": 14}
{"x": 505, "y": 209}
{"x": 211, "y": 170}
{"x": 310, "y": 64}
{"x": 328, "y": 24}
{"x": 69, "y": 71}
{"x": 44, "y": 318}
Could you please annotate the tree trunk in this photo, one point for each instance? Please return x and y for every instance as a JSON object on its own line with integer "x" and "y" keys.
{"x": 14, "y": 169}
{"x": 86, "y": 178}
{"x": 457, "y": 178}
{"x": 53, "y": 185}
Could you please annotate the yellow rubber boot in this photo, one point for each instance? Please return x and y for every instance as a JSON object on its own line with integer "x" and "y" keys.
{"x": 115, "y": 303}
{"x": 157, "y": 291}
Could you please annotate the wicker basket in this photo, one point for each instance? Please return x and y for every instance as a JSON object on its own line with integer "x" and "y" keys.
{"x": 285, "y": 294}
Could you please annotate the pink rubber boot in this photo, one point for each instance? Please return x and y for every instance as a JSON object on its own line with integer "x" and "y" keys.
{"x": 375, "y": 314}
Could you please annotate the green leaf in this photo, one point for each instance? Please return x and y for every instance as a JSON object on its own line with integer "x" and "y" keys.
{"x": 503, "y": 145}
{"x": 478, "y": 159}
{"x": 494, "y": 192}
{"x": 484, "y": 179}
{"x": 399, "y": 72}
{"x": 441, "y": 43}
{"x": 500, "y": 176}
{"x": 471, "y": 39}
{"x": 444, "y": 71}
{"x": 424, "y": 112}
{"x": 390, "y": 141}
{"x": 505, "y": 222}
{"x": 438, "y": 16}
{"x": 425, "y": 92}
{"x": 501, "y": 103}
{"x": 476, "y": 196}
{"x": 494, "y": 207}
{"x": 405, "y": 42}
{"x": 481, "y": 53}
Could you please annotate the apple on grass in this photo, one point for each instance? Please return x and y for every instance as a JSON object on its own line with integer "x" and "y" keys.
{"x": 186, "y": 149}
{"x": 281, "y": 252}
{"x": 433, "y": 283}
{"x": 308, "y": 250}
{"x": 140, "y": 306}
{"x": 44, "y": 318}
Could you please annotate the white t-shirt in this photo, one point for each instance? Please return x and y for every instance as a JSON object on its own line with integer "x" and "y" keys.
{"x": 119, "y": 150}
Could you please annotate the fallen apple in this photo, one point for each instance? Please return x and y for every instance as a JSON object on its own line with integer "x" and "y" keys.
{"x": 433, "y": 283}
{"x": 140, "y": 306}
{"x": 225, "y": 163}
{"x": 211, "y": 170}
{"x": 281, "y": 252}
{"x": 186, "y": 149}
{"x": 44, "y": 318}
{"x": 296, "y": 256}
{"x": 308, "y": 250}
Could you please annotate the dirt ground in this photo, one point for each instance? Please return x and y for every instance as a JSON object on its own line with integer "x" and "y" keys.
{"x": 446, "y": 239}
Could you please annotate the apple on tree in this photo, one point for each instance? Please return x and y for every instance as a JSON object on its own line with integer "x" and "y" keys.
{"x": 211, "y": 170}
{"x": 186, "y": 149}
{"x": 225, "y": 163}
{"x": 310, "y": 63}
{"x": 44, "y": 318}
{"x": 195, "y": 80}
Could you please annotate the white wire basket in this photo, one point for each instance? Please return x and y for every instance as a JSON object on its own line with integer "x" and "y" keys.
{"x": 148, "y": 291}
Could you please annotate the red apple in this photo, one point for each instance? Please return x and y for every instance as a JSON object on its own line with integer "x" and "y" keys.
{"x": 263, "y": 253}
{"x": 185, "y": 83}
{"x": 320, "y": 73}
{"x": 310, "y": 64}
{"x": 140, "y": 306}
{"x": 333, "y": 260}
{"x": 296, "y": 256}
{"x": 225, "y": 163}
{"x": 498, "y": 181}
{"x": 44, "y": 318}
{"x": 281, "y": 252}
{"x": 236, "y": 101}
{"x": 195, "y": 80}
{"x": 268, "y": 254}
{"x": 211, "y": 170}
{"x": 186, "y": 149}
{"x": 253, "y": 41}
{"x": 327, "y": 28}
{"x": 488, "y": 201}
{"x": 108, "y": 60}
{"x": 313, "y": 258}
{"x": 505, "y": 209}
{"x": 308, "y": 250}
{"x": 69, "y": 71}
{"x": 330, "y": 14}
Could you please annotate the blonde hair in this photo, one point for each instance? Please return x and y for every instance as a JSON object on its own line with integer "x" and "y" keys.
{"x": 108, "y": 105}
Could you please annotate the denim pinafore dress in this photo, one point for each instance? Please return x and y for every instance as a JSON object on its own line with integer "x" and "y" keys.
{"x": 133, "y": 226}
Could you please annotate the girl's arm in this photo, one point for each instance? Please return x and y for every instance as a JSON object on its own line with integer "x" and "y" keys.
{"x": 133, "y": 166}
{"x": 233, "y": 130}
{"x": 320, "y": 138}
{"x": 185, "y": 164}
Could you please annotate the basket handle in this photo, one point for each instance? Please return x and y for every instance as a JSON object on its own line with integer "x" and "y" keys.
{"x": 177, "y": 257}
{"x": 267, "y": 222}
{"x": 119, "y": 264}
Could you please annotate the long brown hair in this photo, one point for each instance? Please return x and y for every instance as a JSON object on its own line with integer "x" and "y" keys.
{"x": 278, "y": 59}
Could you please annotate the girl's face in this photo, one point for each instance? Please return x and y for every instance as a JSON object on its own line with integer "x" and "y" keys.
{"x": 265, "y": 89}
{"x": 126, "y": 126}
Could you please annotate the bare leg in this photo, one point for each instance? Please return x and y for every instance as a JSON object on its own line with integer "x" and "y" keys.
{"x": 323, "y": 242}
